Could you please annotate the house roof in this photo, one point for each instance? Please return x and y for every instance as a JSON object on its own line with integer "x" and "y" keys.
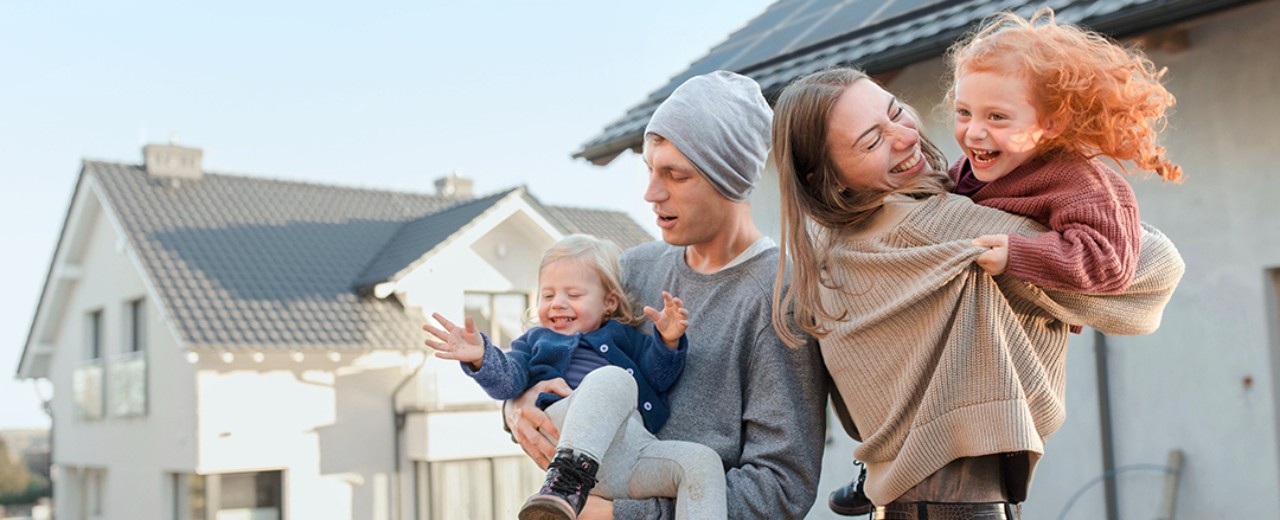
{"x": 419, "y": 236}
{"x": 795, "y": 37}
{"x": 250, "y": 263}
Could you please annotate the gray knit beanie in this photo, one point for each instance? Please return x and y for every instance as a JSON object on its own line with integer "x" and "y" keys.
{"x": 721, "y": 122}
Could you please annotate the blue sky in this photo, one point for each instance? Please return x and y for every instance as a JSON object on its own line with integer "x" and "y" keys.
{"x": 376, "y": 94}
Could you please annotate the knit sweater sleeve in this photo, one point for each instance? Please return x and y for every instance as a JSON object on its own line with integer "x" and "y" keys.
{"x": 1092, "y": 246}
{"x": 1135, "y": 311}
{"x": 503, "y": 375}
{"x": 660, "y": 364}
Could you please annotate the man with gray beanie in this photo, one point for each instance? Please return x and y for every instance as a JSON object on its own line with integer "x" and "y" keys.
{"x": 759, "y": 404}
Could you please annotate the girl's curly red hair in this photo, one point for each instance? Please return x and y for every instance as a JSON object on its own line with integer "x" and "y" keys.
{"x": 1109, "y": 99}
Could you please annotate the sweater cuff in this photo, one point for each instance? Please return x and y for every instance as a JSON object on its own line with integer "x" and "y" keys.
{"x": 491, "y": 352}
{"x": 667, "y": 353}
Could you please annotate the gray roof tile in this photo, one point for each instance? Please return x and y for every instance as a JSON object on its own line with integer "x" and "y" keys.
{"x": 613, "y": 225}
{"x": 247, "y": 263}
{"x": 419, "y": 236}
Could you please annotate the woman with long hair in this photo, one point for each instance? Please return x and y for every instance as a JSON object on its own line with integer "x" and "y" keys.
{"x": 951, "y": 379}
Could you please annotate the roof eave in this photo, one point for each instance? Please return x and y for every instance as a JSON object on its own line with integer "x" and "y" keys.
{"x": 1122, "y": 23}
{"x": 604, "y": 153}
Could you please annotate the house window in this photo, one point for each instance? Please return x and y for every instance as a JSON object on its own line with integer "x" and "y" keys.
{"x": 97, "y": 482}
{"x": 93, "y": 335}
{"x": 500, "y": 315}
{"x": 127, "y": 371}
{"x": 187, "y": 494}
{"x": 137, "y": 340}
{"x": 87, "y": 383}
{"x": 257, "y": 495}
{"x": 1273, "y": 310}
{"x": 87, "y": 498}
{"x": 480, "y": 489}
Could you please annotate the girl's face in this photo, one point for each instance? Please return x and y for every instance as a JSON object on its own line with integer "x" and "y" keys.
{"x": 873, "y": 142}
{"x": 571, "y": 298}
{"x": 996, "y": 125}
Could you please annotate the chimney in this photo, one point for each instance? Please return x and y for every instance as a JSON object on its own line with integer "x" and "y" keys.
{"x": 170, "y": 161}
{"x": 454, "y": 186}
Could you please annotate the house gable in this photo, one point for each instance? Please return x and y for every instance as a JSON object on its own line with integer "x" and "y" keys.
{"x": 499, "y": 250}
{"x": 89, "y": 221}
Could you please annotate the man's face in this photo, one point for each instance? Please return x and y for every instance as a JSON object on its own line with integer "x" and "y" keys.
{"x": 690, "y": 210}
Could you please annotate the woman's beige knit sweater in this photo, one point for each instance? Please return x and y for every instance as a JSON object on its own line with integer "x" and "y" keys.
{"x": 936, "y": 360}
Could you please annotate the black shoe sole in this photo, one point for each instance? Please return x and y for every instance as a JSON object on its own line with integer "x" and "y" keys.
{"x": 850, "y": 511}
{"x": 545, "y": 510}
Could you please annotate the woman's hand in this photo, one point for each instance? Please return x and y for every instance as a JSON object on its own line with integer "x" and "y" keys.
{"x": 672, "y": 321}
{"x": 995, "y": 261}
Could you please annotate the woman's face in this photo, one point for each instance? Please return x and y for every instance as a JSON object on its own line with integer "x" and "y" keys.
{"x": 873, "y": 141}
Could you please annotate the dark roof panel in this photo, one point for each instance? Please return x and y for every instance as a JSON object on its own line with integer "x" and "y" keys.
{"x": 796, "y": 37}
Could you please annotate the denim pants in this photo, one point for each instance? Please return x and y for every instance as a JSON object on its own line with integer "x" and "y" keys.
{"x": 600, "y": 419}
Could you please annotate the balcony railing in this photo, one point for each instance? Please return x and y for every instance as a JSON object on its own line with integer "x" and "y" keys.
{"x": 87, "y": 386}
{"x": 128, "y": 378}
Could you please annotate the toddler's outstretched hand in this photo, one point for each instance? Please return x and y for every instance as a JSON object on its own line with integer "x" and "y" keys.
{"x": 671, "y": 322}
{"x": 995, "y": 261}
{"x": 457, "y": 343}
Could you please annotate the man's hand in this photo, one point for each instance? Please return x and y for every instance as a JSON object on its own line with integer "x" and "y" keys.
{"x": 671, "y": 322}
{"x": 995, "y": 261}
{"x": 531, "y": 427}
{"x": 596, "y": 509}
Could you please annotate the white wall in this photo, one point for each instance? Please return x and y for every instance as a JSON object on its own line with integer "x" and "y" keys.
{"x": 135, "y": 451}
{"x": 328, "y": 424}
{"x": 1182, "y": 387}
{"x": 437, "y": 286}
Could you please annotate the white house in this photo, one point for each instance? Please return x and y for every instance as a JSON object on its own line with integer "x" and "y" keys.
{"x": 1205, "y": 387}
{"x": 225, "y": 347}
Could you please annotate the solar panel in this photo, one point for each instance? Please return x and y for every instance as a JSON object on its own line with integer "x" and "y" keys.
{"x": 771, "y": 17}
{"x": 790, "y": 25}
{"x": 780, "y": 38}
{"x": 899, "y": 7}
{"x": 845, "y": 18}
{"x": 718, "y": 59}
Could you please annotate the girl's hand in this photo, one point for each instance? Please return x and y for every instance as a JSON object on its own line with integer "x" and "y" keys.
{"x": 457, "y": 343}
{"x": 995, "y": 261}
{"x": 671, "y": 322}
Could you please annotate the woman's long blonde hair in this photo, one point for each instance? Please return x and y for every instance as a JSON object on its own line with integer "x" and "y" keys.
{"x": 603, "y": 257}
{"x": 808, "y": 183}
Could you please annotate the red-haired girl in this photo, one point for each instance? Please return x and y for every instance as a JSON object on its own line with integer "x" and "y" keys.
{"x": 1036, "y": 103}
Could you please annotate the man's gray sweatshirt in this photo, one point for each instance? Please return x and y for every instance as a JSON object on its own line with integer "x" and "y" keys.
{"x": 758, "y": 403}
